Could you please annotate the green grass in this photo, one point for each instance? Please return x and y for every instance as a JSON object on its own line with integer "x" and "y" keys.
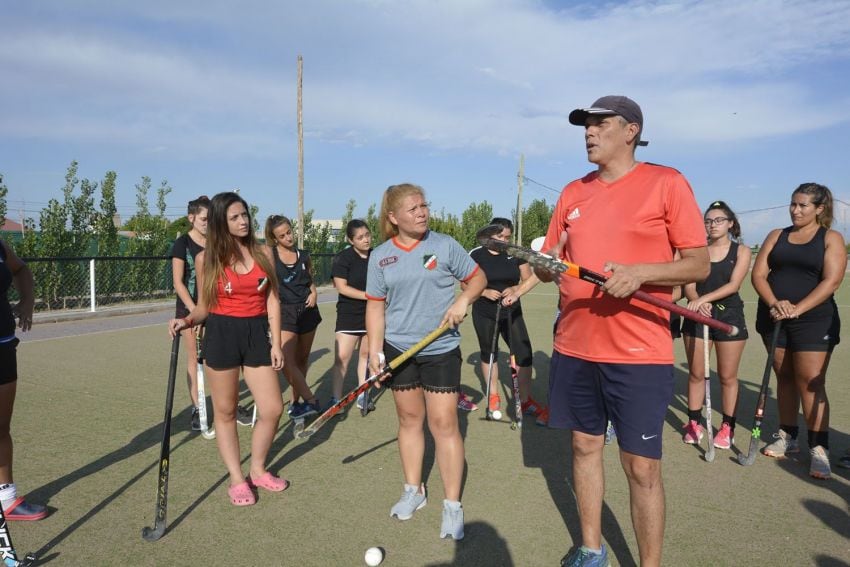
{"x": 87, "y": 431}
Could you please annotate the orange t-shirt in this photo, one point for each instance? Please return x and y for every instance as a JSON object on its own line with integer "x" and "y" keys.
{"x": 640, "y": 218}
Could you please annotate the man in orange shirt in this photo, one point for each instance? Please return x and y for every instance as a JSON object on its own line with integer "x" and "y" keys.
{"x": 624, "y": 219}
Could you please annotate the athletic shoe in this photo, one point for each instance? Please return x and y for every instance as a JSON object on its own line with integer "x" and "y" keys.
{"x": 844, "y": 462}
{"x": 724, "y": 437}
{"x": 19, "y": 510}
{"x": 195, "y": 420}
{"x": 300, "y": 411}
{"x": 411, "y": 500}
{"x": 361, "y": 401}
{"x": 244, "y": 416}
{"x": 583, "y": 557}
{"x": 693, "y": 433}
{"x": 610, "y": 433}
{"x": 531, "y": 407}
{"x": 783, "y": 445}
{"x": 495, "y": 402}
{"x": 292, "y": 406}
{"x": 452, "y": 525}
{"x": 543, "y": 418}
{"x": 465, "y": 403}
{"x": 820, "y": 463}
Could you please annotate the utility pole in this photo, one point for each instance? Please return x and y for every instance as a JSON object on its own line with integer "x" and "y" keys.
{"x": 519, "y": 178}
{"x": 300, "y": 159}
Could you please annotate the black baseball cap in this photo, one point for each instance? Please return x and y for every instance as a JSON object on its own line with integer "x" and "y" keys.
{"x": 612, "y": 105}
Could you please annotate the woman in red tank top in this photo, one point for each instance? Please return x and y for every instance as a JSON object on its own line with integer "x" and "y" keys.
{"x": 237, "y": 297}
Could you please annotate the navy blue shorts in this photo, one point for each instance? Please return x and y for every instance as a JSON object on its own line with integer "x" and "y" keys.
{"x": 584, "y": 396}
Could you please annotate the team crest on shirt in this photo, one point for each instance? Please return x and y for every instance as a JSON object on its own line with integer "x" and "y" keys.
{"x": 429, "y": 261}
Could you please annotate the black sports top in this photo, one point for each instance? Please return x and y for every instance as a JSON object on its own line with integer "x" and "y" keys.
{"x": 721, "y": 273}
{"x": 7, "y": 319}
{"x": 797, "y": 269}
{"x": 502, "y": 272}
{"x": 295, "y": 279}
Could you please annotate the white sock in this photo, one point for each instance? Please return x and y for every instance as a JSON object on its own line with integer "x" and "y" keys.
{"x": 8, "y": 493}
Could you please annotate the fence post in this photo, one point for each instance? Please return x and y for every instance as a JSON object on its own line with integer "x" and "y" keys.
{"x": 92, "y": 290}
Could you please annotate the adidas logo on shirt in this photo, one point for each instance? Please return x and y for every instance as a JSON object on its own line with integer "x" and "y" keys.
{"x": 574, "y": 214}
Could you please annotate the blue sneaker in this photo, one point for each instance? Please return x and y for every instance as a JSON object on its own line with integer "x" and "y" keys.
{"x": 583, "y": 557}
{"x": 306, "y": 409}
{"x": 411, "y": 500}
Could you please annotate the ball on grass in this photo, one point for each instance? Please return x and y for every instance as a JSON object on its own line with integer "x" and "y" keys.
{"x": 497, "y": 415}
{"x": 374, "y": 556}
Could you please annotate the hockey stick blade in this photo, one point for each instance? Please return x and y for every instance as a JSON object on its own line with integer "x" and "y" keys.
{"x": 544, "y": 262}
{"x": 329, "y": 413}
{"x": 750, "y": 457}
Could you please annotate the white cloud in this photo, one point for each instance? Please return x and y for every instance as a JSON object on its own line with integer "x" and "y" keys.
{"x": 485, "y": 76}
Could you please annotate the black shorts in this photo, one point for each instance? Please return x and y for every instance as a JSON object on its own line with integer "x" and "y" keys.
{"x": 807, "y": 334}
{"x": 298, "y": 318}
{"x": 585, "y": 395}
{"x": 230, "y": 342}
{"x": 517, "y": 341}
{"x": 9, "y": 361}
{"x": 350, "y": 323}
{"x": 434, "y": 373}
{"x": 732, "y": 315}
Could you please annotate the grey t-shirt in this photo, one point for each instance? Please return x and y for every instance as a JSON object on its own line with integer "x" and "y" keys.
{"x": 418, "y": 285}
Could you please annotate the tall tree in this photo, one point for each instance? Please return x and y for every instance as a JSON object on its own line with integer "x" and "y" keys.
{"x": 535, "y": 220}
{"x": 107, "y": 232}
{"x": 372, "y": 222}
{"x": 341, "y": 243}
{"x": 475, "y": 217}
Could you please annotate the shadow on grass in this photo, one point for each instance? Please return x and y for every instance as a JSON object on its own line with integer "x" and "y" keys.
{"x": 481, "y": 545}
{"x": 151, "y": 437}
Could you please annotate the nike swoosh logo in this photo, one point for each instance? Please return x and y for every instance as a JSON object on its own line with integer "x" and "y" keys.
{"x": 645, "y": 438}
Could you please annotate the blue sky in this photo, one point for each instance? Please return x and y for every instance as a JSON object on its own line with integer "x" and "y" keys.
{"x": 747, "y": 98}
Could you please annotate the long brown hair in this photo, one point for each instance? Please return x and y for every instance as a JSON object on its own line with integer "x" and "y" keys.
{"x": 222, "y": 247}
{"x": 390, "y": 202}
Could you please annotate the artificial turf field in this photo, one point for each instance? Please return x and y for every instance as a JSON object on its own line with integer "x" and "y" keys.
{"x": 87, "y": 430}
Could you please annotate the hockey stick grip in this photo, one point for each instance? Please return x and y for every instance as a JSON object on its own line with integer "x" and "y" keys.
{"x": 538, "y": 260}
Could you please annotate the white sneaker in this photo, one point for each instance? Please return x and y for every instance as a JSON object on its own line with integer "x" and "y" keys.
{"x": 783, "y": 445}
{"x": 820, "y": 463}
{"x": 411, "y": 500}
{"x": 452, "y": 525}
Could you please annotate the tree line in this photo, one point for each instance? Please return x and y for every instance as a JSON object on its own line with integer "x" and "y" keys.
{"x": 74, "y": 226}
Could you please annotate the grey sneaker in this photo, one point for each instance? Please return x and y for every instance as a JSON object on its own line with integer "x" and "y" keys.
{"x": 452, "y": 520}
{"x": 783, "y": 445}
{"x": 411, "y": 500}
{"x": 582, "y": 557}
{"x": 244, "y": 416}
{"x": 610, "y": 433}
{"x": 820, "y": 463}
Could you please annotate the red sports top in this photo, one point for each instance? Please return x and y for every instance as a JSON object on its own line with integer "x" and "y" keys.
{"x": 640, "y": 218}
{"x": 242, "y": 295}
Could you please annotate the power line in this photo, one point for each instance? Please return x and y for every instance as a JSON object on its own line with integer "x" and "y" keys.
{"x": 530, "y": 180}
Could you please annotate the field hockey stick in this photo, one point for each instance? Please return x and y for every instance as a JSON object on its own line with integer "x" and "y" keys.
{"x": 709, "y": 452}
{"x": 517, "y": 423}
{"x": 544, "y": 262}
{"x": 493, "y": 344}
{"x": 156, "y": 532}
{"x": 7, "y": 550}
{"x": 207, "y": 432}
{"x": 750, "y": 457}
{"x": 254, "y": 415}
{"x": 385, "y": 371}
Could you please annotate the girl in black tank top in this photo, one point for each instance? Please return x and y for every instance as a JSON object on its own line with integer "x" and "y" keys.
{"x": 299, "y": 314}
{"x": 795, "y": 274}
{"x": 717, "y": 297}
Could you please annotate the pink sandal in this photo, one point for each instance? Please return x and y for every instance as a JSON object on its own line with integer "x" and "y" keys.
{"x": 241, "y": 494}
{"x": 269, "y": 482}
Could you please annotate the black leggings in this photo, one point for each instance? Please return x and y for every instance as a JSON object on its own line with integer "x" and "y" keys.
{"x": 520, "y": 344}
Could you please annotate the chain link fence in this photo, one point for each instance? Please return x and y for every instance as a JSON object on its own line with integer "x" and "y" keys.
{"x": 93, "y": 282}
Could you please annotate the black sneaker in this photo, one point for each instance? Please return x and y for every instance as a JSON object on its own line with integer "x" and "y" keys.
{"x": 244, "y": 416}
{"x": 195, "y": 420}
{"x": 306, "y": 409}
